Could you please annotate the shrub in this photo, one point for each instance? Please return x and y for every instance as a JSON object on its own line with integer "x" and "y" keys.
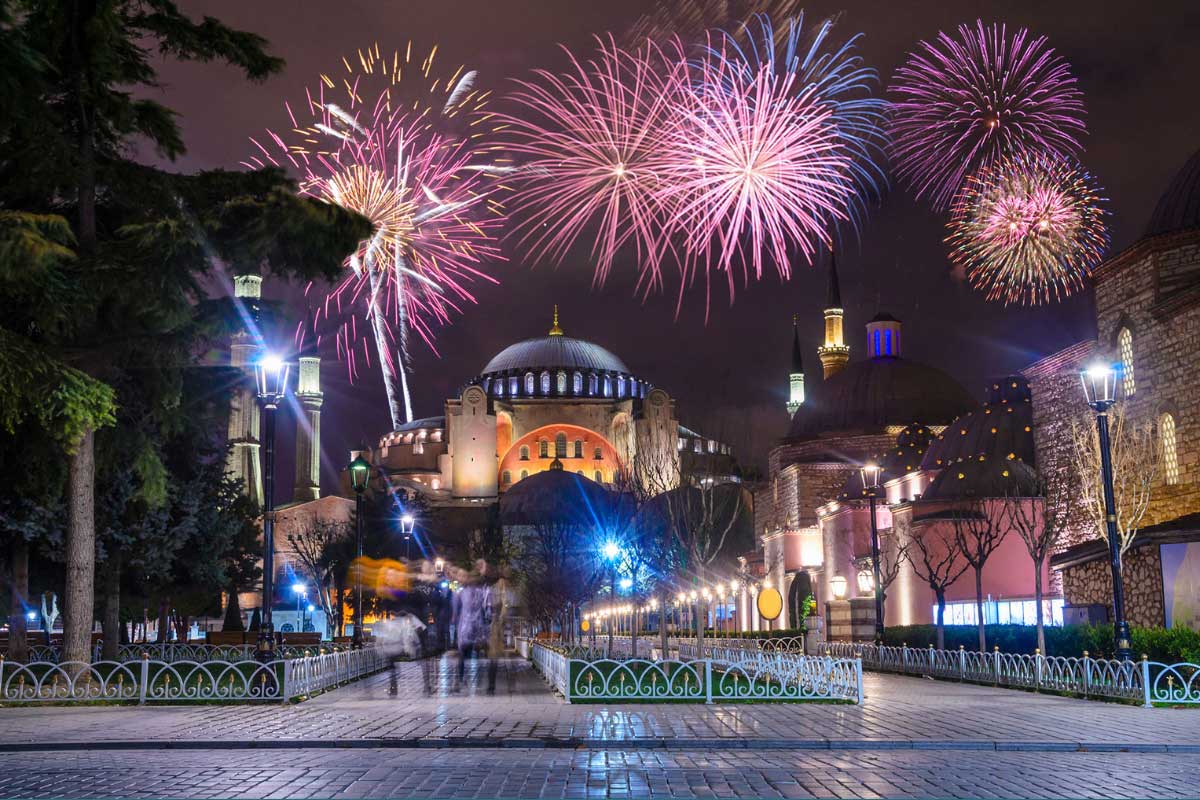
{"x": 1159, "y": 644}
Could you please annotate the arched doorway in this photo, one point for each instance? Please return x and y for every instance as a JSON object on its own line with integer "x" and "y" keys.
{"x": 800, "y": 589}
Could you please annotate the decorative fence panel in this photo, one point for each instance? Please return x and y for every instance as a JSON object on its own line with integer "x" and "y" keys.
{"x": 1148, "y": 681}
{"x": 180, "y": 681}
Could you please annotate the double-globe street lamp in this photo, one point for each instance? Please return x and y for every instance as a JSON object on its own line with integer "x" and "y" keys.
{"x": 360, "y": 474}
{"x": 1100, "y": 389}
{"x": 870, "y": 481}
{"x": 271, "y": 379}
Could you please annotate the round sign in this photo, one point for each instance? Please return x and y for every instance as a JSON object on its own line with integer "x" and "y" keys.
{"x": 585, "y": 626}
{"x": 770, "y": 603}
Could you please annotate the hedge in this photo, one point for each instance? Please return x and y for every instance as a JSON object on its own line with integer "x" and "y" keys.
{"x": 1159, "y": 644}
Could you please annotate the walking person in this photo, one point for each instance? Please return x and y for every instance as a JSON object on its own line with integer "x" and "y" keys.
{"x": 472, "y": 612}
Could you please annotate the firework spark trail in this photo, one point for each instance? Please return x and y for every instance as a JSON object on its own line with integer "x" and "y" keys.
{"x": 836, "y": 75}
{"x": 409, "y": 164}
{"x": 750, "y": 156}
{"x": 962, "y": 103}
{"x": 588, "y": 146}
{"x": 1028, "y": 230}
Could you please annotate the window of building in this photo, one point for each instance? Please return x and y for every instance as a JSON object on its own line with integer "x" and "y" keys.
{"x": 529, "y": 384}
{"x": 598, "y": 455}
{"x": 1004, "y": 612}
{"x": 560, "y": 382}
{"x": 876, "y": 345}
{"x": 499, "y": 387}
{"x": 545, "y": 383}
{"x": 1170, "y": 454}
{"x": 681, "y": 443}
{"x": 593, "y": 382}
{"x": 1125, "y": 346}
{"x": 560, "y": 445}
{"x": 524, "y": 452}
{"x": 887, "y": 342}
{"x": 514, "y": 385}
{"x": 579, "y": 448}
{"x": 712, "y": 446}
{"x": 577, "y": 383}
{"x": 506, "y": 477}
{"x": 524, "y": 474}
{"x": 597, "y": 477}
{"x": 621, "y": 386}
{"x": 607, "y": 386}
{"x": 697, "y": 445}
{"x": 543, "y": 448}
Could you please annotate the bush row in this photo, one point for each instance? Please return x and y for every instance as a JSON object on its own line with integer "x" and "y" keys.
{"x": 1159, "y": 644}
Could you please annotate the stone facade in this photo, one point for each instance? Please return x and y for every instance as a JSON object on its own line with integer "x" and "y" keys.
{"x": 1091, "y": 584}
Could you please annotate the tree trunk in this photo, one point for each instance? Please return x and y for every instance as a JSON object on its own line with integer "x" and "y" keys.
{"x": 233, "y": 613}
{"x": 339, "y": 587}
{"x": 979, "y": 609}
{"x": 662, "y": 624}
{"x": 164, "y": 622}
{"x": 1037, "y": 598}
{"x": 941, "y": 620}
{"x": 633, "y": 632}
{"x": 80, "y": 551}
{"x": 18, "y": 642}
{"x": 112, "y": 608}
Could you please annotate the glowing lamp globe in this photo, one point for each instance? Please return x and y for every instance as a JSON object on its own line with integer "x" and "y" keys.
{"x": 299, "y": 588}
{"x": 1099, "y": 385}
{"x": 626, "y": 583}
{"x": 611, "y": 550}
{"x": 838, "y": 584}
{"x": 360, "y": 472}
{"x": 870, "y": 475}
{"x": 271, "y": 375}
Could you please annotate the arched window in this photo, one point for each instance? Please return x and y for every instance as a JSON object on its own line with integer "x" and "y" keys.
{"x": 524, "y": 452}
{"x": 598, "y": 454}
{"x": 506, "y": 477}
{"x": 1125, "y": 347}
{"x": 498, "y": 386}
{"x": 514, "y": 385}
{"x": 887, "y": 342}
{"x": 545, "y": 383}
{"x": 1170, "y": 455}
{"x": 524, "y": 474}
{"x": 577, "y": 383}
{"x": 543, "y": 448}
{"x": 560, "y": 445}
{"x": 529, "y": 384}
{"x": 607, "y": 386}
{"x": 621, "y": 386}
{"x": 593, "y": 382}
{"x": 578, "y": 448}
{"x": 561, "y": 382}
{"x": 597, "y": 477}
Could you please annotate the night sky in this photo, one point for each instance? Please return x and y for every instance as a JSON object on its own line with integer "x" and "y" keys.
{"x": 1136, "y": 64}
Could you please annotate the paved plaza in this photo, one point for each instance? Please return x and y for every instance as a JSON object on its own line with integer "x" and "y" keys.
{"x": 912, "y": 737}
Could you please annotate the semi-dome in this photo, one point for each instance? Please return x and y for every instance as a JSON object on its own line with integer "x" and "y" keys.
{"x": 1178, "y": 208}
{"x": 878, "y": 393}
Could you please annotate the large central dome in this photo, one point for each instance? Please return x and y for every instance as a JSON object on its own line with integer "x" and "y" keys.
{"x": 555, "y": 352}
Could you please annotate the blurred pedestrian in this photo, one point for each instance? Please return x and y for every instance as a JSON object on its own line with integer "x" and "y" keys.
{"x": 472, "y": 615}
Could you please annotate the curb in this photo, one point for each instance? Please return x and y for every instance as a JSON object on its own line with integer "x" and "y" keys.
{"x": 576, "y": 743}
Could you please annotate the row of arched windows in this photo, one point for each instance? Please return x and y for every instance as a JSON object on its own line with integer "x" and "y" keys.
{"x": 560, "y": 449}
{"x": 506, "y": 476}
{"x": 550, "y": 384}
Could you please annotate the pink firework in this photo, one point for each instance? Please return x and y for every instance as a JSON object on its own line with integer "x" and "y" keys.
{"x": 403, "y": 165}
{"x": 757, "y": 171}
{"x": 963, "y": 102}
{"x": 587, "y": 141}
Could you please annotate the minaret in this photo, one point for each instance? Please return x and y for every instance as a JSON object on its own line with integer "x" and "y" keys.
{"x": 242, "y": 463}
{"x": 796, "y": 377}
{"x": 308, "y": 431}
{"x": 834, "y": 353}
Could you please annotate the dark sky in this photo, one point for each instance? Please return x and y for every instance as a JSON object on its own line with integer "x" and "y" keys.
{"x": 1136, "y": 63}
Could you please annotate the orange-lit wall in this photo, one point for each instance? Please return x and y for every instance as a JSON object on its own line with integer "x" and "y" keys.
{"x": 607, "y": 465}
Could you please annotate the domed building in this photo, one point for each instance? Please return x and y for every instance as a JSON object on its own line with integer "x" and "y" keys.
{"x": 548, "y": 401}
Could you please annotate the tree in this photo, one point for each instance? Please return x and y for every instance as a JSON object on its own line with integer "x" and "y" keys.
{"x": 1136, "y": 460}
{"x": 892, "y": 554}
{"x": 1040, "y": 524}
{"x": 936, "y": 559}
{"x": 979, "y": 529}
{"x": 320, "y": 547}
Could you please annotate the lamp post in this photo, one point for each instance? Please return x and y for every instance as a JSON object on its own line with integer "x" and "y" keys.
{"x": 1100, "y": 389}
{"x": 611, "y": 552}
{"x": 360, "y": 473}
{"x": 407, "y": 523}
{"x": 870, "y": 481}
{"x": 271, "y": 378}
{"x": 301, "y": 592}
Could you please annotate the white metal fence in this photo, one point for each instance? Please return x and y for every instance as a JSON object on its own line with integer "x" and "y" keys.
{"x": 724, "y": 674}
{"x": 150, "y": 680}
{"x": 1150, "y": 682}
{"x": 174, "y": 651}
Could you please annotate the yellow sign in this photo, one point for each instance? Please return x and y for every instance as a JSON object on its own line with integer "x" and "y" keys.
{"x": 585, "y": 626}
{"x": 770, "y": 604}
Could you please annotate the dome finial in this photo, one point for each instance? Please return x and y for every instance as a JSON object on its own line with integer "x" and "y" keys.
{"x": 554, "y": 329}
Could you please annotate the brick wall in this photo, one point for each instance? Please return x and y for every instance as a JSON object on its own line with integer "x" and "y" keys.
{"x": 808, "y": 474}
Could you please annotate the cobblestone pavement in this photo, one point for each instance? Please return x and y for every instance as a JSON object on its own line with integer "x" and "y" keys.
{"x": 587, "y": 774}
{"x": 898, "y": 712}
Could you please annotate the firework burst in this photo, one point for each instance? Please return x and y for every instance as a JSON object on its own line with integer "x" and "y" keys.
{"x": 587, "y": 140}
{"x": 835, "y": 74}
{"x": 1028, "y": 230}
{"x": 756, "y": 170}
{"x": 963, "y": 102}
{"x": 395, "y": 144}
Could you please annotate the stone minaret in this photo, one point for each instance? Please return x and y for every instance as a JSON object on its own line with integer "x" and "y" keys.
{"x": 834, "y": 354}
{"x": 308, "y": 431}
{"x": 243, "y": 462}
{"x": 796, "y": 377}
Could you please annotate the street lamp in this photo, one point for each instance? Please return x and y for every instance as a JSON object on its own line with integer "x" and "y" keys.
{"x": 612, "y": 554}
{"x": 301, "y": 592}
{"x": 407, "y": 523}
{"x": 1100, "y": 390}
{"x": 870, "y": 481}
{"x": 360, "y": 476}
{"x": 271, "y": 380}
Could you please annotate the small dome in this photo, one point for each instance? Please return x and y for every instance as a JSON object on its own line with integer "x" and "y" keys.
{"x": 1178, "y": 208}
{"x": 876, "y": 393}
{"x": 556, "y": 496}
{"x": 1002, "y": 429}
{"x": 979, "y": 478}
{"x": 554, "y": 352}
